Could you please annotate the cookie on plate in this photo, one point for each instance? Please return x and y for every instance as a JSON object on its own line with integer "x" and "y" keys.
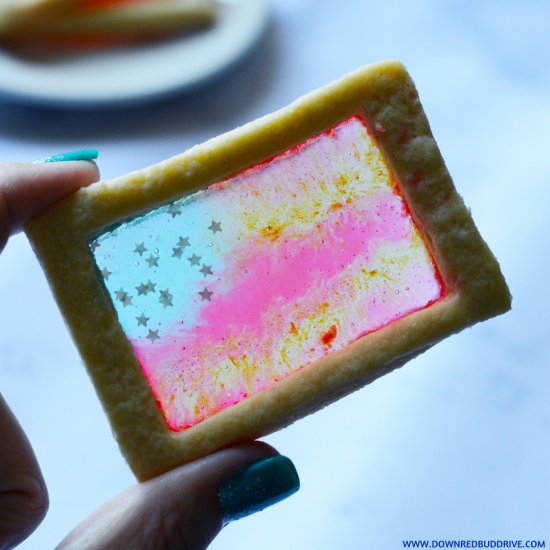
{"x": 56, "y": 20}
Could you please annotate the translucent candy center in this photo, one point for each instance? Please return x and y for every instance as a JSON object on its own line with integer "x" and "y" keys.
{"x": 226, "y": 291}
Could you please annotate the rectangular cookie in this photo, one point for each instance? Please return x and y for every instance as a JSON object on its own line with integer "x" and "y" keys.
{"x": 228, "y": 291}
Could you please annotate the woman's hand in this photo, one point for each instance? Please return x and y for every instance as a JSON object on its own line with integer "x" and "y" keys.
{"x": 25, "y": 189}
{"x": 184, "y": 508}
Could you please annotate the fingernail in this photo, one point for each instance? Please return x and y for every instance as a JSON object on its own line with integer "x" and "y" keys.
{"x": 83, "y": 154}
{"x": 263, "y": 483}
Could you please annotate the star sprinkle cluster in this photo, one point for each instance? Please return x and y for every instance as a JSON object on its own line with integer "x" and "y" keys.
{"x": 160, "y": 271}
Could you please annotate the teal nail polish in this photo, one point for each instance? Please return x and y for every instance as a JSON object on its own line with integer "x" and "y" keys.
{"x": 263, "y": 483}
{"x": 83, "y": 154}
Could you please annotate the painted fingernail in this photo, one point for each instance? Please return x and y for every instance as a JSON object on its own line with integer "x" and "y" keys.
{"x": 263, "y": 483}
{"x": 83, "y": 154}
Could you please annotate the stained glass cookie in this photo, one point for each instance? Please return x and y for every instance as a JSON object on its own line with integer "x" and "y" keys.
{"x": 228, "y": 291}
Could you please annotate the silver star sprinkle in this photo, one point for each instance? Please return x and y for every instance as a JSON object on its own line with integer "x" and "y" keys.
{"x": 152, "y": 261}
{"x": 145, "y": 288}
{"x": 166, "y": 298}
{"x": 215, "y": 226}
{"x": 205, "y": 294}
{"x": 106, "y": 273}
{"x": 206, "y": 270}
{"x": 174, "y": 210}
{"x": 142, "y": 320}
{"x": 140, "y": 248}
{"x": 177, "y": 252}
{"x": 124, "y": 297}
{"x": 141, "y": 289}
{"x": 183, "y": 242}
{"x": 194, "y": 259}
{"x": 153, "y": 335}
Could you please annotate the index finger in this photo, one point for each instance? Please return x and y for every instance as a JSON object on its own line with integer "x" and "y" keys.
{"x": 26, "y": 189}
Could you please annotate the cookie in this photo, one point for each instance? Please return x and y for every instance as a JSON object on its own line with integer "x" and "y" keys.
{"x": 228, "y": 291}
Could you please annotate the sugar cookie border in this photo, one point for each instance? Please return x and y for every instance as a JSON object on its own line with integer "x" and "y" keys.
{"x": 385, "y": 96}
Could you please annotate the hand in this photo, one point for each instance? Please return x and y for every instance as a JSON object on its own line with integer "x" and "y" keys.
{"x": 184, "y": 508}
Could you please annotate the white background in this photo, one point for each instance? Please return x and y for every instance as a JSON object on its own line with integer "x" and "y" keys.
{"x": 456, "y": 445}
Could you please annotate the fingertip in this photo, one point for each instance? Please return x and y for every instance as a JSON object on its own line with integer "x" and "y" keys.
{"x": 86, "y": 172}
{"x": 261, "y": 484}
{"x": 228, "y": 485}
{"x": 76, "y": 173}
{"x": 28, "y": 188}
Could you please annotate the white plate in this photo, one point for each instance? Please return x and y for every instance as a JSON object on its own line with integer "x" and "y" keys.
{"x": 136, "y": 75}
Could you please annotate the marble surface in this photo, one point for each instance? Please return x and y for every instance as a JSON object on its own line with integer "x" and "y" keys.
{"x": 453, "y": 446}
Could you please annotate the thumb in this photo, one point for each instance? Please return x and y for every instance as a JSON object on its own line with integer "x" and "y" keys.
{"x": 187, "y": 507}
